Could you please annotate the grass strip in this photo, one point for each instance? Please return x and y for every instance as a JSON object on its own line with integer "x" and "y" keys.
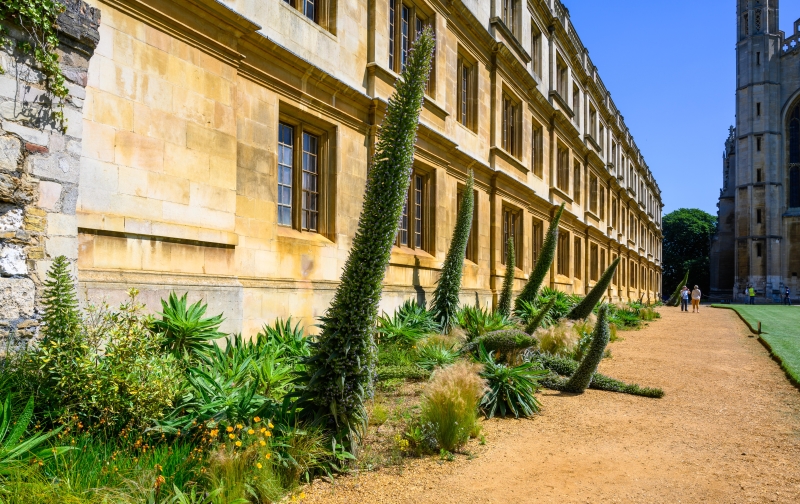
{"x": 778, "y": 333}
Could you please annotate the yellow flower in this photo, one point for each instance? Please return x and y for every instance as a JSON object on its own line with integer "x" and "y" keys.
{"x": 229, "y": 429}
{"x": 271, "y": 426}
{"x": 259, "y": 465}
{"x": 238, "y": 426}
{"x": 256, "y": 419}
{"x": 231, "y": 436}
{"x": 238, "y": 443}
{"x": 268, "y": 434}
{"x": 263, "y": 430}
{"x": 302, "y": 495}
{"x": 268, "y": 456}
{"x": 263, "y": 443}
{"x": 214, "y": 432}
{"x": 251, "y": 431}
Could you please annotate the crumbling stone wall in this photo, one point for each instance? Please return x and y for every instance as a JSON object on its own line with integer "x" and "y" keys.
{"x": 39, "y": 169}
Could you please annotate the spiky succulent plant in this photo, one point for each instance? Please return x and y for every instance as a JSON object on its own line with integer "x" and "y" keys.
{"x": 504, "y": 304}
{"x": 585, "y": 307}
{"x": 675, "y": 298}
{"x": 338, "y": 379}
{"x": 542, "y": 267}
{"x": 582, "y": 377}
{"x": 445, "y": 297}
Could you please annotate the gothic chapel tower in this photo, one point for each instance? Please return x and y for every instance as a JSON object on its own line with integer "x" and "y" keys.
{"x": 759, "y": 192}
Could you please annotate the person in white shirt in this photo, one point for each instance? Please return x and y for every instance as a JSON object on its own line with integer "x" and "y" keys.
{"x": 696, "y": 295}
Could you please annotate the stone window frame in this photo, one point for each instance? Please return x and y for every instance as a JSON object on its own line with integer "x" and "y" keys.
{"x": 325, "y": 133}
{"x": 562, "y": 78}
{"x": 514, "y": 216}
{"x": 471, "y": 253}
{"x": 509, "y": 14}
{"x": 577, "y": 180}
{"x": 467, "y": 99}
{"x": 419, "y": 16}
{"x": 537, "y": 238}
{"x": 594, "y": 262}
{"x": 324, "y": 12}
{"x": 577, "y": 257}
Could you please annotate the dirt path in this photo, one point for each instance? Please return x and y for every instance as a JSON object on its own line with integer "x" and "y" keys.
{"x": 728, "y": 430}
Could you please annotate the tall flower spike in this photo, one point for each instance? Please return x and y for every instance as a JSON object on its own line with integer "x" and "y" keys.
{"x": 339, "y": 374}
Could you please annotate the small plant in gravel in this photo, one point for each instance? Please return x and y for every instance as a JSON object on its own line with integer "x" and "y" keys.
{"x": 561, "y": 367}
{"x": 449, "y": 410}
{"x": 504, "y": 304}
{"x": 446, "y": 296}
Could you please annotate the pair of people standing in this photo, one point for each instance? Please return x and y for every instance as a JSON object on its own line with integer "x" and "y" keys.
{"x": 695, "y": 296}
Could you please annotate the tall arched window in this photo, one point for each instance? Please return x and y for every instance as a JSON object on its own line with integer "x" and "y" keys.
{"x": 794, "y": 157}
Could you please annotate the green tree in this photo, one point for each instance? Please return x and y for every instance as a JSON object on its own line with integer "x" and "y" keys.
{"x": 61, "y": 319}
{"x": 445, "y": 297}
{"x": 504, "y": 304}
{"x": 546, "y": 257}
{"x": 687, "y": 242}
{"x": 338, "y": 378}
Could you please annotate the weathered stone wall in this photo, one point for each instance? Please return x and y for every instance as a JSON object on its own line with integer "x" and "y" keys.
{"x": 39, "y": 169}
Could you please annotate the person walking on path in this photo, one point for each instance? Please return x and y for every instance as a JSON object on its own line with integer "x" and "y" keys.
{"x": 685, "y": 299}
{"x": 752, "y": 293}
{"x": 787, "y": 299}
{"x": 696, "y": 295}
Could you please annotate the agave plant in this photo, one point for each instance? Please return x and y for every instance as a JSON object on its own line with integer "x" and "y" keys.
{"x": 435, "y": 355}
{"x": 12, "y": 450}
{"x": 476, "y": 321}
{"x": 511, "y": 388}
{"x": 409, "y": 324}
{"x": 283, "y": 337}
{"x": 183, "y": 327}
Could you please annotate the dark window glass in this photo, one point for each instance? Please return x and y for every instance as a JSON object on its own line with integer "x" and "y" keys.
{"x": 403, "y": 232}
{"x": 391, "y": 33}
{"x": 285, "y": 173}
{"x": 310, "y": 215}
{"x": 418, "y": 211}
{"x": 794, "y": 187}
{"x": 310, "y": 9}
{"x": 405, "y": 14}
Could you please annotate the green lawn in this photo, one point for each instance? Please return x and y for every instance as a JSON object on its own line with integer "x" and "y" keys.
{"x": 780, "y": 328}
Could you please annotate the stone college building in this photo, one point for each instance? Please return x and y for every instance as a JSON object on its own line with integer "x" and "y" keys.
{"x": 758, "y": 242}
{"x": 222, "y": 147}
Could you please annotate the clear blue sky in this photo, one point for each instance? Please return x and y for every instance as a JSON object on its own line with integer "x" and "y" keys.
{"x": 671, "y": 70}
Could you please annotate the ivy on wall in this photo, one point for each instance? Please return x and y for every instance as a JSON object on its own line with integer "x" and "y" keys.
{"x": 38, "y": 18}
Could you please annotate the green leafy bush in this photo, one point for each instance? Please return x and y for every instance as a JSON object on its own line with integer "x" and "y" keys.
{"x": 183, "y": 328}
{"x": 511, "y": 388}
{"x": 13, "y": 449}
{"x": 582, "y": 377}
{"x": 448, "y": 288}
{"x": 110, "y": 373}
{"x": 435, "y": 355}
{"x": 504, "y": 342}
{"x": 476, "y": 321}
{"x": 339, "y": 374}
{"x": 449, "y": 410}
{"x": 562, "y": 304}
{"x": 504, "y": 304}
{"x": 542, "y": 267}
{"x": 409, "y": 324}
{"x": 287, "y": 339}
{"x": 534, "y": 317}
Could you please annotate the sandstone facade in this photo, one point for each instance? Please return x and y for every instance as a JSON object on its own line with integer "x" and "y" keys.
{"x": 226, "y": 147}
{"x": 758, "y": 242}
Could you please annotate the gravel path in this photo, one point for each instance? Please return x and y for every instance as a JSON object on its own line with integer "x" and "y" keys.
{"x": 728, "y": 430}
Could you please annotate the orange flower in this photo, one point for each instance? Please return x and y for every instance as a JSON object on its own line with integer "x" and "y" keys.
{"x": 256, "y": 419}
